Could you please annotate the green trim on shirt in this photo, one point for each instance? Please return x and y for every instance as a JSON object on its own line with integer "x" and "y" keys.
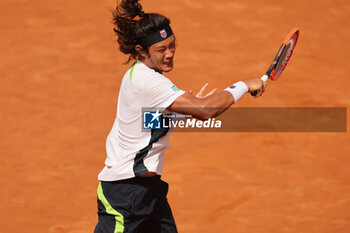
{"x": 132, "y": 70}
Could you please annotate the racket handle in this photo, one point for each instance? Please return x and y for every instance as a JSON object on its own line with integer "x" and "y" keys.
{"x": 264, "y": 78}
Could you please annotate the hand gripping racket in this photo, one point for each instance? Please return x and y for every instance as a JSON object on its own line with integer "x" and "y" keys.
{"x": 282, "y": 58}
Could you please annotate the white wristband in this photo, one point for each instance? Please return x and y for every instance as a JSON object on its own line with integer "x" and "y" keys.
{"x": 237, "y": 90}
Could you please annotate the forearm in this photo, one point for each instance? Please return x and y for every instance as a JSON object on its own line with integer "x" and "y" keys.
{"x": 210, "y": 106}
{"x": 216, "y": 104}
{"x": 203, "y": 108}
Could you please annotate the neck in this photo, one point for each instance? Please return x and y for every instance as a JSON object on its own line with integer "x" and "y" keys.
{"x": 149, "y": 64}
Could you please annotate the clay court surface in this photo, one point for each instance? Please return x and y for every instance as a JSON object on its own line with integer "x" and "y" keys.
{"x": 60, "y": 72}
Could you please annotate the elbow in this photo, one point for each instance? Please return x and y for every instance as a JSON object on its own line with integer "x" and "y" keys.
{"x": 205, "y": 113}
{"x": 203, "y": 117}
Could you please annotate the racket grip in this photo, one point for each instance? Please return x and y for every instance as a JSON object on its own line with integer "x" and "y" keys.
{"x": 254, "y": 93}
{"x": 264, "y": 78}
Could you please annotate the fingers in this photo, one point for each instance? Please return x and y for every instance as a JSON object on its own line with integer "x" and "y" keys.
{"x": 200, "y": 93}
{"x": 264, "y": 85}
{"x": 203, "y": 89}
{"x": 212, "y": 92}
{"x": 261, "y": 89}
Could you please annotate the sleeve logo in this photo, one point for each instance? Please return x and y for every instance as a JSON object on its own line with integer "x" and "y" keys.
{"x": 174, "y": 88}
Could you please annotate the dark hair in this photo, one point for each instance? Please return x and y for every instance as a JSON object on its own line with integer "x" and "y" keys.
{"x": 130, "y": 29}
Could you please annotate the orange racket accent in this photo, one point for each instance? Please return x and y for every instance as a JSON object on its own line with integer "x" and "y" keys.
{"x": 289, "y": 44}
{"x": 282, "y": 57}
{"x": 290, "y": 34}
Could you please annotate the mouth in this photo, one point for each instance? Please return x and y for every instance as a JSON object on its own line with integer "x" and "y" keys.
{"x": 168, "y": 63}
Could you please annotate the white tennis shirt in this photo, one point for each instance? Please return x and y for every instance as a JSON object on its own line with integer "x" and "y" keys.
{"x": 130, "y": 150}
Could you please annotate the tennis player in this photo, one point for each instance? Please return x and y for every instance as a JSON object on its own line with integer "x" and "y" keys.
{"x": 131, "y": 194}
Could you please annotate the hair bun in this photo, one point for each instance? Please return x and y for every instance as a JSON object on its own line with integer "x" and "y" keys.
{"x": 141, "y": 14}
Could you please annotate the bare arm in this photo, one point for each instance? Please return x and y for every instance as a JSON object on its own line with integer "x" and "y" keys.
{"x": 212, "y": 104}
{"x": 202, "y": 108}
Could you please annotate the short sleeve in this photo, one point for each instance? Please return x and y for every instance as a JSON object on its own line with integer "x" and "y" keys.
{"x": 159, "y": 91}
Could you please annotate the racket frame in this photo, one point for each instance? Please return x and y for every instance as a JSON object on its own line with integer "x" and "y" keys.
{"x": 270, "y": 73}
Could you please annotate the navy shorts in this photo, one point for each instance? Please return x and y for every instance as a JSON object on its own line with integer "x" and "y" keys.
{"x": 136, "y": 205}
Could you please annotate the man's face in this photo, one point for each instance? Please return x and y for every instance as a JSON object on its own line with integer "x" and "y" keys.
{"x": 161, "y": 55}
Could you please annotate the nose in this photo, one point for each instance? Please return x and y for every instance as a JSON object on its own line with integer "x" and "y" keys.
{"x": 170, "y": 53}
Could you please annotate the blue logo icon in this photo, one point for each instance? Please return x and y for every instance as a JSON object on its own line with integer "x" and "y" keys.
{"x": 151, "y": 119}
{"x": 163, "y": 34}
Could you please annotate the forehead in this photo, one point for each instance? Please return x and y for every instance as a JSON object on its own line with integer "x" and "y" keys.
{"x": 164, "y": 43}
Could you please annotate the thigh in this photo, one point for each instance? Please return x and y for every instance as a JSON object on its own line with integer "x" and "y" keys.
{"x": 162, "y": 219}
{"x": 106, "y": 224}
{"x": 114, "y": 207}
{"x": 160, "y": 222}
{"x": 134, "y": 206}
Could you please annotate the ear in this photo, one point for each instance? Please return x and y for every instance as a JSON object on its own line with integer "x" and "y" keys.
{"x": 140, "y": 51}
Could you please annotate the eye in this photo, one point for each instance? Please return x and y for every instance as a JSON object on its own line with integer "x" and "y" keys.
{"x": 161, "y": 50}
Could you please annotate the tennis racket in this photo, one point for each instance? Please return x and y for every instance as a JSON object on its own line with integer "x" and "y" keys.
{"x": 282, "y": 58}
